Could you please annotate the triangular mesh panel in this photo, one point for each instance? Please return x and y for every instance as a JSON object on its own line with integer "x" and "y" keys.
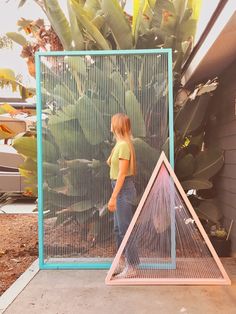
{"x": 165, "y": 242}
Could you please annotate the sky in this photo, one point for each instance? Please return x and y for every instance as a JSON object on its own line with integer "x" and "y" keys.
{"x": 9, "y": 14}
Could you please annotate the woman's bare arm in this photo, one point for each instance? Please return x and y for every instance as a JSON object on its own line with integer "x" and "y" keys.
{"x": 123, "y": 171}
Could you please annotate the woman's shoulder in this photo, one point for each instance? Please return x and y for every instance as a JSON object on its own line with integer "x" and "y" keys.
{"x": 122, "y": 143}
{"x": 123, "y": 150}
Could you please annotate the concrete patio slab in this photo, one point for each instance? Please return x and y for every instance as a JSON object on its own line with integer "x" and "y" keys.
{"x": 18, "y": 208}
{"x": 9, "y": 296}
{"x": 84, "y": 292}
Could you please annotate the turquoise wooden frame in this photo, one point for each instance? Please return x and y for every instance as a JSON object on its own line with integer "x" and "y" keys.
{"x": 104, "y": 265}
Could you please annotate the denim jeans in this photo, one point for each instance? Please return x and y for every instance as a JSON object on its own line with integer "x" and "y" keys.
{"x": 123, "y": 216}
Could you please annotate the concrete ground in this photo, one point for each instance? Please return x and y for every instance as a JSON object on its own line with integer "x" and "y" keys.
{"x": 84, "y": 292}
{"x": 18, "y": 208}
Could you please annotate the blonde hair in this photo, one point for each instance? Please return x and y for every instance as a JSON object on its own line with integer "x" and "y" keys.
{"x": 121, "y": 127}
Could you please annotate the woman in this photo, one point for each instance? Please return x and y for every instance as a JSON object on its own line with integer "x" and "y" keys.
{"x": 122, "y": 164}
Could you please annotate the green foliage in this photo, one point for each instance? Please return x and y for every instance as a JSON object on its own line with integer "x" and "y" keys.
{"x": 208, "y": 162}
{"x": 196, "y": 184}
{"x": 76, "y": 33}
{"x": 87, "y": 114}
{"x": 195, "y": 166}
{"x": 89, "y": 27}
{"x": 26, "y": 146}
{"x": 18, "y": 38}
{"x": 103, "y": 25}
{"x": 59, "y": 22}
{"x": 209, "y": 210}
{"x": 117, "y": 23}
{"x": 185, "y": 166}
{"x": 8, "y": 78}
{"x": 134, "y": 112}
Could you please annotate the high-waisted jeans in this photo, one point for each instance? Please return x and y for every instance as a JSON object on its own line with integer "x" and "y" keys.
{"x": 123, "y": 216}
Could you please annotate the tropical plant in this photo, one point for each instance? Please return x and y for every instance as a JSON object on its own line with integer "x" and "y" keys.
{"x": 8, "y": 78}
{"x": 22, "y": 140}
{"x": 25, "y": 144}
{"x": 34, "y": 36}
{"x": 104, "y": 25}
{"x": 196, "y": 164}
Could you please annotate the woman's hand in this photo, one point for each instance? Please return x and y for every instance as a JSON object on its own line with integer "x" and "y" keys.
{"x": 112, "y": 204}
{"x": 123, "y": 171}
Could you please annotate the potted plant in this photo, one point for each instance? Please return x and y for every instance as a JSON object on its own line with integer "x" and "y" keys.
{"x": 220, "y": 239}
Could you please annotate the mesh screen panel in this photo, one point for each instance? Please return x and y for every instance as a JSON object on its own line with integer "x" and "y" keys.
{"x": 78, "y": 96}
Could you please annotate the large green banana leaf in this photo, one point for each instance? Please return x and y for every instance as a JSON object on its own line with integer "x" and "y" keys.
{"x": 118, "y": 23}
{"x": 18, "y": 38}
{"x": 134, "y": 112}
{"x": 146, "y": 155}
{"x": 74, "y": 189}
{"x": 59, "y": 200}
{"x": 77, "y": 64}
{"x": 196, "y": 184}
{"x": 92, "y": 7}
{"x": 114, "y": 106}
{"x": 29, "y": 164}
{"x": 208, "y": 162}
{"x": 59, "y": 22}
{"x": 99, "y": 78}
{"x": 118, "y": 89}
{"x": 138, "y": 6}
{"x": 77, "y": 36}
{"x": 195, "y": 110}
{"x": 55, "y": 182}
{"x": 78, "y": 163}
{"x": 195, "y": 6}
{"x": 209, "y": 210}
{"x": 49, "y": 152}
{"x": 187, "y": 29}
{"x": 50, "y": 79}
{"x": 99, "y": 22}
{"x": 30, "y": 177}
{"x": 81, "y": 206}
{"x": 8, "y": 78}
{"x": 107, "y": 108}
{"x": 50, "y": 169}
{"x": 185, "y": 166}
{"x": 61, "y": 116}
{"x": 65, "y": 93}
{"x": 26, "y": 146}
{"x": 157, "y": 21}
{"x": 69, "y": 148}
{"x": 180, "y": 7}
{"x": 91, "y": 121}
{"x": 88, "y": 25}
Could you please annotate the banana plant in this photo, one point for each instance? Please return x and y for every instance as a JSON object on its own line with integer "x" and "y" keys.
{"x": 86, "y": 120}
{"x": 104, "y": 25}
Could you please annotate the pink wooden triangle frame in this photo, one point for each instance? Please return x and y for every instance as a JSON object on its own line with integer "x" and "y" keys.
{"x": 166, "y": 281}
